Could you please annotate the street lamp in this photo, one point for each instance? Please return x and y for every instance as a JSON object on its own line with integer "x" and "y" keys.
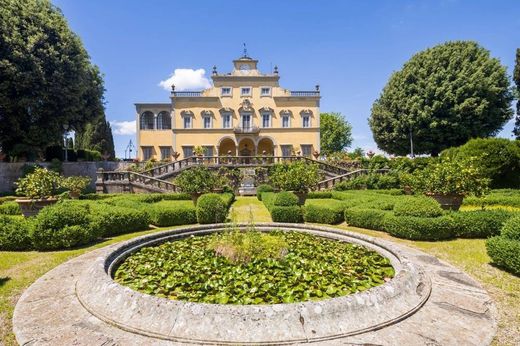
{"x": 65, "y": 127}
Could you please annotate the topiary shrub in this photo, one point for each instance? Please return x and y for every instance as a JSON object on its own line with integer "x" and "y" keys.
{"x": 15, "y": 233}
{"x": 480, "y": 223}
{"x": 268, "y": 199}
{"x": 10, "y": 208}
{"x": 323, "y": 214}
{"x": 505, "y": 253}
{"x": 164, "y": 214}
{"x": 211, "y": 209}
{"x": 263, "y": 188}
{"x": 175, "y": 197}
{"x": 511, "y": 229}
{"x": 319, "y": 194}
{"x": 63, "y": 226}
{"x": 419, "y": 228}
{"x": 290, "y": 214}
{"x": 418, "y": 207}
{"x": 285, "y": 199}
{"x": 228, "y": 198}
{"x": 365, "y": 218}
{"x": 118, "y": 220}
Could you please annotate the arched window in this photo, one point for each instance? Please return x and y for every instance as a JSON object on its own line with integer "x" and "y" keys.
{"x": 164, "y": 121}
{"x": 147, "y": 121}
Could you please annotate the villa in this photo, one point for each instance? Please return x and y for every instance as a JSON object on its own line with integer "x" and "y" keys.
{"x": 245, "y": 113}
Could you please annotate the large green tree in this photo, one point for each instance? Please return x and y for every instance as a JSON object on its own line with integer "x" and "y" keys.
{"x": 46, "y": 78}
{"x": 97, "y": 135}
{"x": 516, "y": 79}
{"x": 335, "y": 133}
{"x": 442, "y": 97}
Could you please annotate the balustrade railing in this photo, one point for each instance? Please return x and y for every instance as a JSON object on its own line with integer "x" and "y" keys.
{"x": 329, "y": 183}
{"x": 305, "y": 93}
{"x": 187, "y": 93}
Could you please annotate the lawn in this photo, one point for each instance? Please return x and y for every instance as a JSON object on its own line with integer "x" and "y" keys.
{"x": 19, "y": 269}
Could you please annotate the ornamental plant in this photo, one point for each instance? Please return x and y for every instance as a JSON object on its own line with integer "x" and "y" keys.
{"x": 42, "y": 183}
{"x": 197, "y": 180}
{"x": 75, "y": 184}
{"x": 450, "y": 177}
{"x": 297, "y": 176}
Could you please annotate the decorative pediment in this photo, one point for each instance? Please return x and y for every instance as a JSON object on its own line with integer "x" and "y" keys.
{"x": 285, "y": 112}
{"x": 206, "y": 113}
{"x": 187, "y": 114}
{"x": 246, "y": 105}
{"x": 226, "y": 110}
{"x": 306, "y": 112}
{"x": 266, "y": 109}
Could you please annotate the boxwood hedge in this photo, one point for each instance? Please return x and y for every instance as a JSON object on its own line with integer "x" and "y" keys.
{"x": 365, "y": 218}
{"x": 211, "y": 208}
{"x": 10, "y": 208}
{"x": 511, "y": 229}
{"x": 291, "y": 214}
{"x": 505, "y": 253}
{"x": 165, "y": 213}
{"x": 323, "y": 213}
{"x": 15, "y": 233}
{"x": 419, "y": 228}
{"x": 285, "y": 199}
{"x": 263, "y": 188}
{"x": 479, "y": 223}
{"x": 417, "y": 206}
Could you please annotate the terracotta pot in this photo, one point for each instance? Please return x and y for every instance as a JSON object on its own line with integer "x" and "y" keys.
{"x": 448, "y": 202}
{"x": 302, "y": 197}
{"x": 31, "y": 207}
{"x": 195, "y": 196}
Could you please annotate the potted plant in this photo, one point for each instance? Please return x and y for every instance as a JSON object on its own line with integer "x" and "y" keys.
{"x": 39, "y": 189}
{"x": 196, "y": 181}
{"x": 298, "y": 177}
{"x": 449, "y": 181}
{"x": 75, "y": 185}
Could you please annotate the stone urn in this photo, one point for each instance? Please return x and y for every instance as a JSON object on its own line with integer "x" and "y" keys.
{"x": 302, "y": 197}
{"x": 31, "y": 207}
{"x": 448, "y": 202}
{"x": 195, "y": 196}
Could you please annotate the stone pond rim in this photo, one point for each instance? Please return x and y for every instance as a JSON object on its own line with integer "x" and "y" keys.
{"x": 183, "y": 321}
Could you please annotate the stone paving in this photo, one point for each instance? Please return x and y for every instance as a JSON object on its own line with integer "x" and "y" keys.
{"x": 457, "y": 311}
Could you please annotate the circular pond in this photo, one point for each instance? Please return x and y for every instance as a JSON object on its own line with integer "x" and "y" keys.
{"x": 327, "y": 284}
{"x": 254, "y": 268}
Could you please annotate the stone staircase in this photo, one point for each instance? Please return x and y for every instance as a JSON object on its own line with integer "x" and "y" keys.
{"x": 156, "y": 178}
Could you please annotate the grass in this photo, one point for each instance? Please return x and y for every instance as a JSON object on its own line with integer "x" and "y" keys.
{"x": 18, "y": 270}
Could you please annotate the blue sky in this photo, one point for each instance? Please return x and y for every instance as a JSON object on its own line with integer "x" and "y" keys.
{"x": 350, "y": 48}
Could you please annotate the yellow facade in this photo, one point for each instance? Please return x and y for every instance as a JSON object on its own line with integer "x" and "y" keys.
{"x": 245, "y": 113}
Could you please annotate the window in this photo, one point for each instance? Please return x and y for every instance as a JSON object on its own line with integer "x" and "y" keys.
{"x": 306, "y": 150}
{"x": 147, "y": 121}
{"x": 306, "y": 121}
{"x": 246, "y": 121}
{"x": 187, "y": 122}
{"x": 208, "y": 150}
{"x": 225, "y": 91}
{"x": 246, "y": 91}
{"x": 187, "y": 151}
{"x": 166, "y": 153}
{"x": 207, "y": 122}
{"x": 264, "y": 91}
{"x": 226, "y": 121}
{"x": 147, "y": 153}
{"x": 164, "y": 121}
{"x": 286, "y": 150}
{"x": 285, "y": 121}
{"x": 266, "y": 120}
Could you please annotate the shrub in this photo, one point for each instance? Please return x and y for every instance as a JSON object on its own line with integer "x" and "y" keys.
{"x": 505, "y": 253}
{"x": 41, "y": 183}
{"x": 479, "y": 223}
{"x": 63, "y": 225}
{"x": 323, "y": 214}
{"x": 197, "y": 179}
{"x": 291, "y": 214}
{"x": 417, "y": 206}
{"x": 118, "y": 220}
{"x": 10, "y": 208}
{"x": 211, "y": 209}
{"x": 176, "y": 197}
{"x": 75, "y": 184}
{"x": 295, "y": 176}
{"x": 419, "y": 228}
{"x": 285, "y": 199}
{"x": 263, "y": 188}
{"x": 171, "y": 214}
{"x": 319, "y": 195}
{"x": 511, "y": 229}
{"x": 228, "y": 198}
{"x": 497, "y": 158}
{"x": 268, "y": 199}
{"x": 365, "y": 218}
{"x": 15, "y": 233}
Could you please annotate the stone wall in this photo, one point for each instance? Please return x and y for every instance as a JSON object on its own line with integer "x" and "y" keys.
{"x": 10, "y": 172}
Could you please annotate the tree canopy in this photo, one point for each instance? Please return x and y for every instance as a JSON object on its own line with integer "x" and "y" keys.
{"x": 46, "y": 78}
{"x": 97, "y": 135}
{"x": 516, "y": 79}
{"x": 335, "y": 133}
{"x": 443, "y": 96}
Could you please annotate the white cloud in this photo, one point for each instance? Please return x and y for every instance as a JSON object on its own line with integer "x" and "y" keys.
{"x": 186, "y": 79}
{"x": 123, "y": 127}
